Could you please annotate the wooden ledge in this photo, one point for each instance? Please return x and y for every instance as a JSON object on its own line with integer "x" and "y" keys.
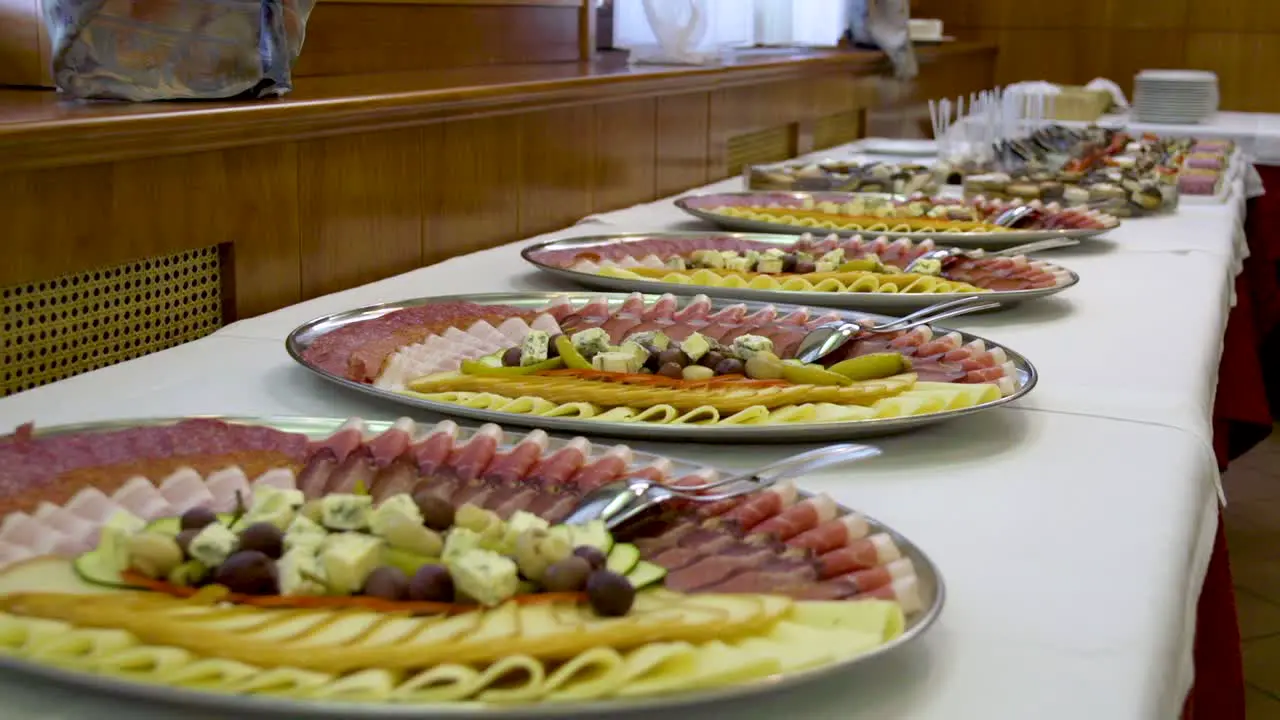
{"x": 37, "y": 130}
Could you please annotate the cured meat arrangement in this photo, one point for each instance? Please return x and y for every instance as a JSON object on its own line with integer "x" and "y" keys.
{"x": 638, "y": 359}
{"x": 699, "y": 595}
{"x": 811, "y": 264}
{"x": 853, "y": 213}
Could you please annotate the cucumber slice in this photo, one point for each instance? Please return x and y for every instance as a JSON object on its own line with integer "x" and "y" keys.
{"x": 594, "y": 534}
{"x": 96, "y": 567}
{"x": 622, "y": 558}
{"x": 645, "y": 574}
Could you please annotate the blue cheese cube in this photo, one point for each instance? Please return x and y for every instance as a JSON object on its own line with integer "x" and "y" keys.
{"x": 534, "y": 348}
{"x": 304, "y": 533}
{"x": 769, "y": 264}
{"x": 615, "y": 362}
{"x": 590, "y": 342}
{"x": 112, "y": 542}
{"x": 395, "y": 509}
{"x": 773, "y": 252}
{"x": 928, "y": 267}
{"x": 484, "y": 576}
{"x": 348, "y": 558}
{"x": 737, "y": 263}
{"x": 638, "y": 354}
{"x": 300, "y": 573}
{"x": 656, "y": 338}
{"x": 746, "y": 346}
{"x": 824, "y": 266}
{"x": 695, "y": 346}
{"x": 834, "y": 257}
{"x": 460, "y": 541}
{"x": 213, "y": 544}
{"x": 675, "y": 263}
{"x": 272, "y": 505}
{"x": 752, "y": 257}
{"x": 346, "y": 512}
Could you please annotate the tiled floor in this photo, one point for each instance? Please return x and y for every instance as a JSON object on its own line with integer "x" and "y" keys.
{"x": 1253, "y": 536}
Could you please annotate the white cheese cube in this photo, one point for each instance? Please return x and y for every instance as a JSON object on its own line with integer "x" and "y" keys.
{"x": 213, "y": 544}
{"x": 346, "y": 512}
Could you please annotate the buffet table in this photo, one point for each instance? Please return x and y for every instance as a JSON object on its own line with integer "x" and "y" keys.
{"x": 1074, "y": 529}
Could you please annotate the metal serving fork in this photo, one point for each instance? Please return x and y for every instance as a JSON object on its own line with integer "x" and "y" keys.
{"x": 827, "y": 338}
{"x": 946, "y": 253}
{"x": 623, "y": 500}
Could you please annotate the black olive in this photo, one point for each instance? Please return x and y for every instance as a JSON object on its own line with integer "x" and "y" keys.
{"x": 592, "y": 555}
{"x": 672, "y": 355}
{"x": 651, "y": 363}
{"x": 672, "y": 370}
{"x": 552, "y": 350}
{"x": 609, "y": 593}
{"x": 248, "y": 572}
{"x": 437, "y": 513}
{"x": 788, "y": 263}
{"x": 263, "y": 537}
{"x": 730, "y": 366}
{"x": 804, "y": 266}
{"x": 184, "y": 539}
{"x": 512, "y": 356}
{"x": 432, "y": 583}
{"x": 711, "y": 359}
{"x": 386, "y": 582}
{"x": 567, "y": 575}
{"x": 197, "y": 518}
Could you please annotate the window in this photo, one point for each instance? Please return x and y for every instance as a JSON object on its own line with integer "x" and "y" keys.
{"x": 734, "y": 23}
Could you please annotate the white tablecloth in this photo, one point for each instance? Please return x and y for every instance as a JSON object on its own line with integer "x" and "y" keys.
{"x": 1073, "y": 530}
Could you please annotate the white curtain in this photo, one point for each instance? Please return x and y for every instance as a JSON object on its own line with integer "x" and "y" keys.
{"x": 741, "y": 23}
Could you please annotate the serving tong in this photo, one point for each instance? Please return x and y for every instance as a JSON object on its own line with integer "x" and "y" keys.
{"x": 1024, "y": 249}
{"x": 829, "y": 337}
{"x": 623, "y": 500}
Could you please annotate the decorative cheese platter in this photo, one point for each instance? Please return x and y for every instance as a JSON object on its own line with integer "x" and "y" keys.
{"x": 333, "y": 568}
{"x": 657, "y": 367}
{"x": 877, "y": 275}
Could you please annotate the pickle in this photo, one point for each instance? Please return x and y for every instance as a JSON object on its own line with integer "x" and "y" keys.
{"x": 570, "y": 355}
{"x": 864, "y": 264}
{"x": 476, "y": 367}
{"x": 812, "y": 375}
{"x": 872, "y": 367}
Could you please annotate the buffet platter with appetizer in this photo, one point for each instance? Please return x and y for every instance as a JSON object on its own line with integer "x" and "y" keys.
{"x": 344, "y": 568}
{"x": 842, "y": 176}
{"x": 852, "y": 272}
{"x": 980, "y": 222}
{"x": 662, "y": 367}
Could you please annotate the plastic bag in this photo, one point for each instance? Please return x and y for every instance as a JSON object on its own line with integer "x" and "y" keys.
{"x": 175, "y": 49}
{"x": 884, "y": 24}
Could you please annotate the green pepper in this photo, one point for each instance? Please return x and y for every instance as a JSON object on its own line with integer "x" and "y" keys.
{"x": 475, "y": 367}
{"x": 572, "y": 358}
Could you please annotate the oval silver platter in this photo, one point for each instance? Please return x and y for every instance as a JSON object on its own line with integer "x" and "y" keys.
{"x": 872, "y": 301}
{"x": 986, "y": 240}
{"x": 302, "y": 337}
{"x": 929, "y": 579}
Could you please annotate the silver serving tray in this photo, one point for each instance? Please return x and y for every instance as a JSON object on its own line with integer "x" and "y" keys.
{"x": 302, "y": 337}
{"x": 986, "y": 240}
{"x": 882, "y": 302}
{"x": 929, "y": 579}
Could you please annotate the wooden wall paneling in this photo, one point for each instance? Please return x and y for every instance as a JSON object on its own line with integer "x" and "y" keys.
{"x": 360, "y": 37}
{"x": 557, "y": 167}
{"x": 682, "y": 142}
{"x": 1254, "y": 16}
{"x": 142, "y": 208}
{"x": 1246, "y": 65}
{"x": 360, "y": 208}
{"x": 747, "y": 109}
{"x": 265, "y": 251}
{"x": 625, "y": 154}
{"x": 472, "y": 193}
{"x": 24, "y": 44}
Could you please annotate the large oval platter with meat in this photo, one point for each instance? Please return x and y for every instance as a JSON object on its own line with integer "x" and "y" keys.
{"x": 656, "y": 367}
{"x": 318, "y": 567}
{"x": 831, "y": 271}
{"x": 964, "y": 223}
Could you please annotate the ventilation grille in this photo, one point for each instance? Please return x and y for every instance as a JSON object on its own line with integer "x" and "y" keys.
{"x": 760, "y": 147}
{"x": 75, "y": 323}
{"x": 837, "y": 129}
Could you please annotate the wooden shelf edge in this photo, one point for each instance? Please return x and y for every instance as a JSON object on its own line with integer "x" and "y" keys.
{"x": 84, "y": 138}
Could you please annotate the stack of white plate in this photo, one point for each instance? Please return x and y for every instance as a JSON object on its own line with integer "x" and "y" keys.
{"x": 1175, "y": 96}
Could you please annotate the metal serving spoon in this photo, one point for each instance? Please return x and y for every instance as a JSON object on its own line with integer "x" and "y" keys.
{"x": 826, "y": 339}
{"x": 1025, "y": 248}
{"x": 623, "y": 500}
